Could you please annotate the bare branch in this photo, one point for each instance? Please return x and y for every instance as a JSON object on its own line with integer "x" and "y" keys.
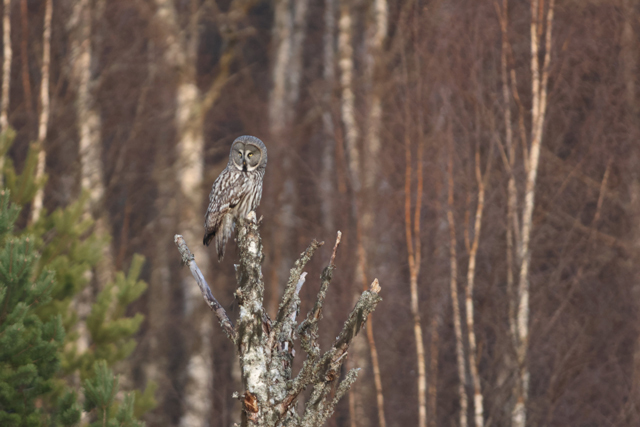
{"x": 266, "y": 350}
{"x": 328, "y": 367}
{"x": 287, "y": 302}
{"x": 309, "y": 327}
{"x": 189, "y": 260}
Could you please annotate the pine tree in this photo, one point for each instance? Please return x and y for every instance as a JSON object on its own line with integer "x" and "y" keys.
{"x": 53, "y": 256}
{"x": 100, "y": 394}
{"x": 29, "y": 347}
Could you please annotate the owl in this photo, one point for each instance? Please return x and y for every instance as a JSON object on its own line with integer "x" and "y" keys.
{"x": 236, "y": 192}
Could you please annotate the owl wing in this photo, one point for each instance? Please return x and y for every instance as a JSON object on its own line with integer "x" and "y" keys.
{"x": 228, "y": 189}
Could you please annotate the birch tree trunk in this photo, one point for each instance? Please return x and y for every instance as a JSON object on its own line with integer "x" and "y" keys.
{"x": 88, "y": 122}
{"x": 191, "y": 107}
{"x": 511, "y": 227}
{"x": 43, "y": 119}
{"x": 478, "y": 404}
{"x": 89, "y": 127}
{"x": 377, "y": 32}
{"x": 412, "y": 232}
{"x": 357, "y": 402}
{"x": 328, "y": 127}
{"x": 180, "y": 54}
{"x": 289, "y": 33}
{"x": 7, "y": 54}
{"x": 538, "y": 111}
{"x": 351, "y": 131}
{"x": 266, "y": 347}
{"x": 24, "y": 54}
{"x": 457, "y": 322}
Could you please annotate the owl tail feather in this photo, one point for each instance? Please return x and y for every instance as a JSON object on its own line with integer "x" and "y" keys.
{"x": 208, "y": 237}
{"x": 221, "y": 242}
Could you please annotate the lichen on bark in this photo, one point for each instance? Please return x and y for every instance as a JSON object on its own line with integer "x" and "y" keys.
{"x": 265, "y": 347}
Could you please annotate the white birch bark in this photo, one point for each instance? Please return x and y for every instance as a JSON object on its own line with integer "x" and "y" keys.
{"x": 358, "y": 415}
{"x": 478, "y": 404}
{"x": 180, "y": 54}
{"x": 7, "y": 54}
{"x": 376, "y": 35}
{"x": 43, "y": 119}
{"x": 88, "y": 118}
{"x": 457, "y": 323}
{"x": 288, "y": 35}
{"x": 414, "y": 255}
{"x": 351, "y": 132}
{"x": 80, "y": 30}
{"x": 328, "y": 128}
{"x": 538, "y": 111}
{"x": 283, "y": 28}
{"x": 512, "y": 196}
{"x": 297, "y": 42}
{"x": 374, "y": 64}
{"x": 509, "y": 157}
{"x": 89, "y": 126}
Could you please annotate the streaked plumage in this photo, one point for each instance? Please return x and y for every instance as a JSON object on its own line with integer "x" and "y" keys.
{"x": 237, "y": 191}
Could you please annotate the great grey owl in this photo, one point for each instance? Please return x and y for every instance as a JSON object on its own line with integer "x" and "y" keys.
{"x": 236, "y": 192}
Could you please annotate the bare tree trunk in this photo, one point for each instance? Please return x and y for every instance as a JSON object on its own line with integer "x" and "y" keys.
{"x": 283, "y": 28}
{"x": 190, "y": 168}
{"x": 345, "y": 52}
{"x": 509, "y": 157}
{"x": 43, "y": 120}
{"x": 629, "y": 54}
{"x": 414, "y": 243}
{"x": 90, "y": 165}
{"x": 88, "y": 118}
{"x": 357, "y": 401}
{"x": 265, "y": 346}
{"x": 180, "y": 54}
{"x": 374, "y": 64}
{"x": 289, "y": 33}
{"x": 328, "y": 127}
{"x": 161, "y": 325}
{"x": 191, "y": 108}
{"x": 457, "y": 323}
{"x": 478, "y": 404}
{"x": 434, "y": 346}
{"x": 89, "y": 129}
{"x": 6, "y": 64}
{"x": 278, "y": 121}
{"x": 24, "y": 54}
{"x": 7, "y": 54}
{"x": 538, "y": 110}
{"x": 371, "y": 172}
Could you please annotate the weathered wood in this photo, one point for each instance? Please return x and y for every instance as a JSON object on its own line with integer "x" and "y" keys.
{"x": 189, "y": 260}
{"x": 266, "y": 348}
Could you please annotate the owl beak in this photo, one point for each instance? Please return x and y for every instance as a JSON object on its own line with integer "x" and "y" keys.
{"x": 244, "y": 165}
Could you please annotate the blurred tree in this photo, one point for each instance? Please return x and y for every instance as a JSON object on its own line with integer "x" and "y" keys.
{"x": 69, "y": 247}
{"x": 43, "y": 120}
{"x": 32, "y": 335}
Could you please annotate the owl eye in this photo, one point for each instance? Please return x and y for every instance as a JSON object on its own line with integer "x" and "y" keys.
{"x": 250, "y": 154}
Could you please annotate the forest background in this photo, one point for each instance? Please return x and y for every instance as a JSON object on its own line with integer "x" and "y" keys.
{"x": 481, "y": 159}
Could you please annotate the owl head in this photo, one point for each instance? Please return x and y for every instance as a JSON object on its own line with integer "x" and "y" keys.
{"x": 248, "y": 153}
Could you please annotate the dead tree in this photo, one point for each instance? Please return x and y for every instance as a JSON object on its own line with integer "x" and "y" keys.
{"x": 264, "y": 346}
